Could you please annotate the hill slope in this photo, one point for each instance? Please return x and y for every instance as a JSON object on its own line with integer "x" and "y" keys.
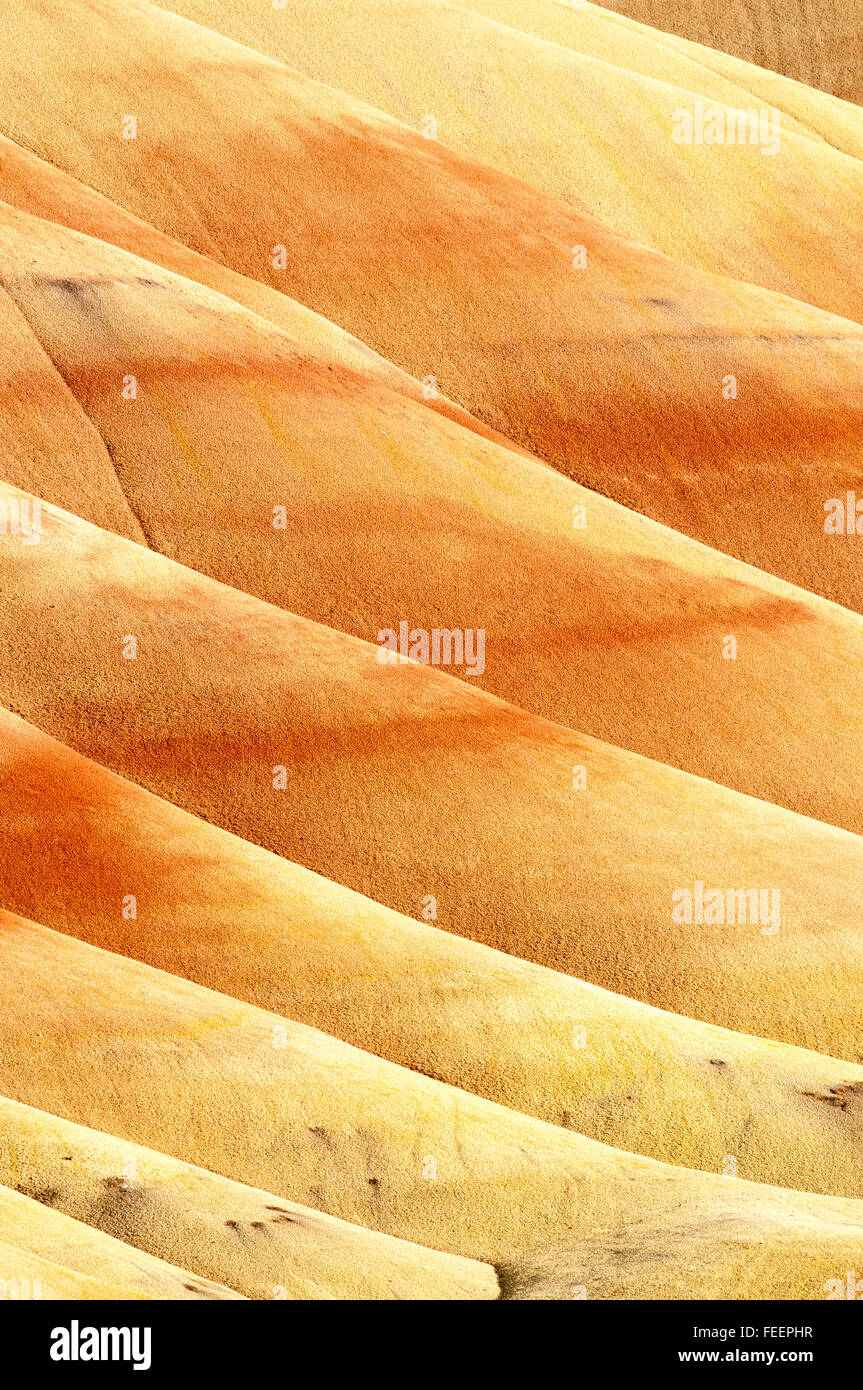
{"x": 618, "y": 373}
{"x": 74, "y": 1260}
{"x": 250, "y": 1241}
{"x": 617, "y": 627}
{"x": 813, "y": 41}
{"x": 591, "y": 131}
{"x": 361, "y": 1138}
{"x": 405, "y": 784}
{"x": 227, "y": 915}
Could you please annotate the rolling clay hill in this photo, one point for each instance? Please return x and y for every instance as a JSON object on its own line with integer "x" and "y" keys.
{"x": 642, "y": 378}
{"x": 407, "y": 785}
{"x": 244, "y": 1239}
{"x": 611, "y": 36}
{"x": 533, "y": 109}
{"x": 634, "y": 654}
{"x": 429, "y": 690}
{"x": 810, "y": 40}
{"x": 364, "y": 1139}
{"x": 99, "y": 858}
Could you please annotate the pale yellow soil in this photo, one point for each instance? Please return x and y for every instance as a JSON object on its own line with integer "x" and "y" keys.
{"x": 86, "y": 1262}
{"x": 230, "y": 916}
{"x": 358, "y": 1137}
{"x": 815, "y": 41}
{"x": 255, "y": 1243}
{"x": 658, "y": 53}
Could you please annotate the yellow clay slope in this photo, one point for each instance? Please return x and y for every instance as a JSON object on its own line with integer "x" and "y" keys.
{"x": 37, "y": 1230}
{"x": 814, "y": 41}
{"x": 358, "y": 1137}
{"x": 602, "y": 33}
{"x": 251, "y": 1241}
{"x": 591, "y": 132}
{"x": 228, "y": 915}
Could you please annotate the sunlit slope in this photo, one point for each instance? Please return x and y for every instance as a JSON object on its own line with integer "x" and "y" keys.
{"x": 25, "y": 1275}
{"x": 116, "y": 1270}
{"x": 591, "y": 132}
{"x": 248, "y": 455}
{"x": 618, "y": 373}
{"x": 612, "y": 37}
{"x": 408, "y": 785}
{"x": 814, "y": 41}
{"x": 358, "y": 1137}
{"x": 703, "y": 1255}
{"x": 255, "y": 1243}
{"x": 233, "y": 917}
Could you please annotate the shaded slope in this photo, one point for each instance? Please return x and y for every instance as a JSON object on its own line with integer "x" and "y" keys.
{"x": 813, "y": 41}
{"x": 593, "y": 133}
{"x": 359, "y": 1137}
{"x": 230, "y": 916}
{"x": 388, "y": 513}
{"x": 248, "y": 1240}
{"x": 116, "y": 1269}
{"x": 402, "y": 782}
{"x": 56, "y": 440}
{"x": 615, "y": 373}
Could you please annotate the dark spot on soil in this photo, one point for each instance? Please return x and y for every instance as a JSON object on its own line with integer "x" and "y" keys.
{"x": 46, "y": 1195}
{"x": 64, "y": 283}
{"x": 117, "y": 1184}
{"x": 838, "y": 1096}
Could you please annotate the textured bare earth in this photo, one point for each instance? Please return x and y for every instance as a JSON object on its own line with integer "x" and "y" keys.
{"x": 614, "y": 372}
{"x": 363, "y": 1139}
{"x": 814, "y": 41}
{"x": 260, "y": 1245}
{"x": 401, "y": 782}
{"x": 227, "y": 915}
{"x": 419, "y": 528}
{"x": 583, "y": 125}
{"x": 329, "y": 977}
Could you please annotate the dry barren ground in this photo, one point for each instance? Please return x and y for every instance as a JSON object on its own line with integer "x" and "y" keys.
{"x": 528, "y": 963}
